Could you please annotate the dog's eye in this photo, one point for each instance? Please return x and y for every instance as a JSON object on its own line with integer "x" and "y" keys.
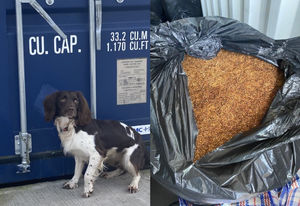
{"x": 76, "y": 101}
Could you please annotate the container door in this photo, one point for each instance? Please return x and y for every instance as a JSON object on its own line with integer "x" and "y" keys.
{"x": 52, "y": 63}
{"x": 123, "y": 64}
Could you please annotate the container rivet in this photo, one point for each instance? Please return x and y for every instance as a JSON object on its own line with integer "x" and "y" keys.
{"x": 49, "y": 2}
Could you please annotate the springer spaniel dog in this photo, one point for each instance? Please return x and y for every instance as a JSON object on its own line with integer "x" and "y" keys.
{"x": 95, "y": 142}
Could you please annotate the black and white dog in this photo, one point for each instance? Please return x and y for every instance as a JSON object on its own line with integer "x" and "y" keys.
{"x": 94, "y": 142}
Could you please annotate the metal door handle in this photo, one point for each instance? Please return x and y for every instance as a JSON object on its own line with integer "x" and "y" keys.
{"x": 44, "y": 14}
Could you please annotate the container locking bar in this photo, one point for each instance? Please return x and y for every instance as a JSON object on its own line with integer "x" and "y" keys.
{"x": 95, "y": 42}
{"x": 98, "y": 23}
{"x": 23, "y": 139}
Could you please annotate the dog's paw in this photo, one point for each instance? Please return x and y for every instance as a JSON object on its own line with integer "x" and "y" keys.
{"x": 88, "y": 189}
{"x": 87, "y": 193}
{"x": 133, "y": 188}
{"x": 70, "y": 185}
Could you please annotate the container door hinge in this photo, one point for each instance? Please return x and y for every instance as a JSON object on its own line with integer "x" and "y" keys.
{"x": 23, "y": 147}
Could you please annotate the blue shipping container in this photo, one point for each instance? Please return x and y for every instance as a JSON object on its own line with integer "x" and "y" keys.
{"x": 52, "y": 63}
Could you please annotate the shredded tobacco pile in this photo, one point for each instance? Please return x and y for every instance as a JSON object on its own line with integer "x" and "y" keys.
{"x": 230, "y": 94}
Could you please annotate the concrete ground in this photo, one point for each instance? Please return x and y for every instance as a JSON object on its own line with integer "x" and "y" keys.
{"x": 106, "y": 192}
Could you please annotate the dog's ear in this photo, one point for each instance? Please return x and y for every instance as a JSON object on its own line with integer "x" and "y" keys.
{"x": 50, "y": 106}
{"x": 84, "y": 113}
{"x": 56, "y": 124}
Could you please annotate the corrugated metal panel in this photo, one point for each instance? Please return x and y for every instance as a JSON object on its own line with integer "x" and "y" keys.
{"x": 275, "y": 18}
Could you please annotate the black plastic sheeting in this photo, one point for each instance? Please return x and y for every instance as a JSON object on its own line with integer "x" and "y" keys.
{"x": 253, "y": 162}
{"x": 170, "y": 10}
{"x": 157, "y": 12}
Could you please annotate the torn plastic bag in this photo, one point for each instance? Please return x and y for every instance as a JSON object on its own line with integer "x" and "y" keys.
{"x": 262, "y": 159}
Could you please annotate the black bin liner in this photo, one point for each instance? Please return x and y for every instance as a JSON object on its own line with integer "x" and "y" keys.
{"x": 170, "y": 10}
{"x": 157, "y": 13}
{"x": 262, "y": 159}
